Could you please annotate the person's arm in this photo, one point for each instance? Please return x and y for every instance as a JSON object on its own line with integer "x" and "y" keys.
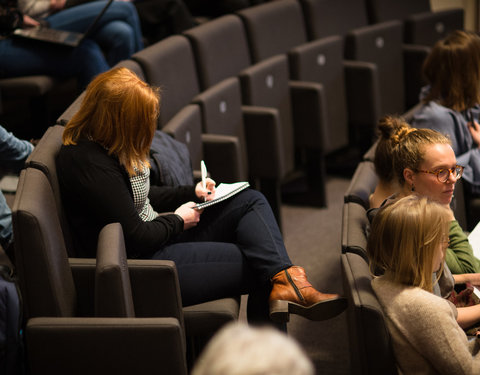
{"x": 428, "y": 324}
{"x": 96, "y": 189}
{"x": 167, "y": 198}
{"x": 440, "y": 339}
{"x": 472, "y": 278}
{"x": 459, "y": 255}
{"x": 446, "y": 121}
{"x": 35, "y": 8}
{"x": 468, "y": 316}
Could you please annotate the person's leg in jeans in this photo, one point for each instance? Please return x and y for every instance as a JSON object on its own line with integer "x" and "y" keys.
{"x": 24, "y": 57}
{"x": 6, "y": 230}
{"x": 246, "y": 220}
{"x": 214, "y": 270}
{"x": 247, "y": 250}
{"x": 118, "y": 28}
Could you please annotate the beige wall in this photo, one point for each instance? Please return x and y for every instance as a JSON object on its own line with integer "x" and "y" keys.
{"x": 470, "y": 7}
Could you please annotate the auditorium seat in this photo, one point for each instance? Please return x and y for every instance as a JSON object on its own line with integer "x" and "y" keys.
{"x": 380, "y": 45}
{"x": 278, "y": 27}
{"x": 211, "y": 315}
{"x": 421, "y": 25}
{"x": 58, "y": 328}
{"x": 266, "y": 84}
{"x": 370, "y": 343}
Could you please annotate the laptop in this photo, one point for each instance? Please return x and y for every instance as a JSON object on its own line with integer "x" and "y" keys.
{"x": 62, "y": 37}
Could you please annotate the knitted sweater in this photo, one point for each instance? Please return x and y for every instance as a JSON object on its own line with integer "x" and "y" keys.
{"x": 425, "y": 336}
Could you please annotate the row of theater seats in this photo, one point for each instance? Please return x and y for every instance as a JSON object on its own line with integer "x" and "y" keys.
{"x": 277, "y": 87}
{"x": 370, "y": 346}
{"x": 421, "y": 27}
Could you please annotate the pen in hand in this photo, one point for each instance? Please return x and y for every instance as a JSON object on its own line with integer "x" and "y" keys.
{"x": 203, "y": 170}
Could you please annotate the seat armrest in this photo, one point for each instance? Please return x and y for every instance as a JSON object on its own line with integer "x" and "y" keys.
{"x": 107, "y": 345}
{"x": 113, "y": 293}
{"x": 363, "y": 92}
{"x": 264, "y": 144}
{"x": 155, "y": 288}
{"x": 223, "y": 155}
{"x": 309, "y": 108}
{"x": 154, "y": 283}
{"x": 413, "y": 58}
{"x": 83, "y": 273}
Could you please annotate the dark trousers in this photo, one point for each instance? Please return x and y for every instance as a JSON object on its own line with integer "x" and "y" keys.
{"x": 235, "y": 249}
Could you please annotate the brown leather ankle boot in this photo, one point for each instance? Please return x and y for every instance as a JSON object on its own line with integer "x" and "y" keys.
{"x": 292, "y": 293}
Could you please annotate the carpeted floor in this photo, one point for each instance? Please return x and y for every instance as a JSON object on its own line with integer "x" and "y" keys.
{"x": 313, "y": 240}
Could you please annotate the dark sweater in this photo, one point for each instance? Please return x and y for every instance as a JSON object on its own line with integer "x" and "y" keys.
{"x": 96, "y": 191}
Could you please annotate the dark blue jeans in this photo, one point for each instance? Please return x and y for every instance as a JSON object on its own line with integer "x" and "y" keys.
{"x": 20, "y": 57}
{"x": 235, "y": 249}
{"x": 118, "y": 32}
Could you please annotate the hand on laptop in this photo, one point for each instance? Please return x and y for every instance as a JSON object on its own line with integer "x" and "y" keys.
{"x": 29, "y": 21}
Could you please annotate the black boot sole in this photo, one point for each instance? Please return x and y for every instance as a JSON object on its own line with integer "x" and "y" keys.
{"x": 280, "y": 310}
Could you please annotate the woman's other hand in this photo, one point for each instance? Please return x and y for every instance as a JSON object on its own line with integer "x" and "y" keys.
{"x": 207, "y": 193}
{"x": 189, "y": 214}
{"x": 29, "y": 21}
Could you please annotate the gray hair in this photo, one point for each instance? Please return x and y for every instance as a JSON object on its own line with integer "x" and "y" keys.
{"x": 239, "y": 349}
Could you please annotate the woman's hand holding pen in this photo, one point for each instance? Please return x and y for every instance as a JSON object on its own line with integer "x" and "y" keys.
{"x": 207, "y": 192}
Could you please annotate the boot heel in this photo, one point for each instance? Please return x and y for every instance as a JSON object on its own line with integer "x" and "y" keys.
{"x": 279, "y": 311}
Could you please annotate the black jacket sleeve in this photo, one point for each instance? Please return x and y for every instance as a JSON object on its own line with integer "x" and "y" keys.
{"x": 96, "y": 191}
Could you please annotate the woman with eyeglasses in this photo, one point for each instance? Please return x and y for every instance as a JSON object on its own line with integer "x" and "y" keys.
{"x": 407, "y": 242}
{"x": 422, "y": 161}
{"x": 451, "y": 99}
{"x": 424, "y": 164}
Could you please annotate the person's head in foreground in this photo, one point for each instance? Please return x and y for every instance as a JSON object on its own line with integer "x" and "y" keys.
{"x": 408, "y": 241}
{"x": 239, "y": 349}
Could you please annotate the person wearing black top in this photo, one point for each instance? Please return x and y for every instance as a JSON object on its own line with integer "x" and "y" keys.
{"x": 234, "y": 247}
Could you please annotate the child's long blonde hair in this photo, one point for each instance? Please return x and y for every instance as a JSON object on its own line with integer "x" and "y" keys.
{"x": 405, "y": 235}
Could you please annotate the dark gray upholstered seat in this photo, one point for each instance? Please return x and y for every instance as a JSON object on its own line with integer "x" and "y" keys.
{"x": 278, "y": 27}
{"x": 362, "y": 184}
{"x": 169, "y": 64}
{"x": 61, "y": 322}
{"x": 201, "y": 323}
{"x": 43, "y": 96}
{"x": 265, "y": 84}
{"x": 75, "y": 106}
{"x": 370, "y": 345}
{"x": 421, "y": 25}
{"x": 354, "y": 229}
{"x": 380, "y": 45}
{"x": 222, "y": 153}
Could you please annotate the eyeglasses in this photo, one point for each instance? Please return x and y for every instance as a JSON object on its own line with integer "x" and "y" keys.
{"x": 444, "y": 174}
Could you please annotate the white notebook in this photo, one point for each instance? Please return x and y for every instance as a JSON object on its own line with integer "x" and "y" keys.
{"x": 474, "y": 239}
{"x": 224, "y": 191}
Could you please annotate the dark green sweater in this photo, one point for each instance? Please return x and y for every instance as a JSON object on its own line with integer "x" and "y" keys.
{"x": 459, "y": 256}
